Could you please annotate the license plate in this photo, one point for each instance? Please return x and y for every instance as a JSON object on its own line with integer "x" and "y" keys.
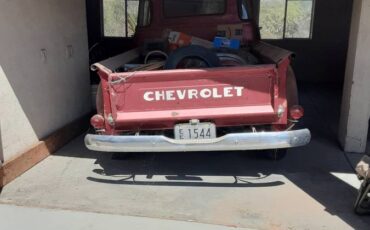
{"x": 195, "y": 131}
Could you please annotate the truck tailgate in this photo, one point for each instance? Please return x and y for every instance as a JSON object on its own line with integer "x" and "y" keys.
{"x": 225, "y": 96}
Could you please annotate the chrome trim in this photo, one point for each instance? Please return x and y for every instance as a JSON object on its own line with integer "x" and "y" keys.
{"x": 229, "y": 142}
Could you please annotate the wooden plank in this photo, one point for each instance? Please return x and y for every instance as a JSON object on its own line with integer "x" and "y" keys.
{"x": 16, "y": 167}
{"x": 117, "y": 61}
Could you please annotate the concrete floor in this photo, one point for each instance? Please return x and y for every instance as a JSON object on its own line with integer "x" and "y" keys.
{"x": 46, "y": 219}
{"x": 313, "y": 188}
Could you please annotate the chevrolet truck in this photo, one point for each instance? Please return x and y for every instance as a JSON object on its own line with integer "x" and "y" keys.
{"x": 189, "y": 96}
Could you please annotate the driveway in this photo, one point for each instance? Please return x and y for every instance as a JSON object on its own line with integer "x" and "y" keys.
{"x": 314, "y": 187}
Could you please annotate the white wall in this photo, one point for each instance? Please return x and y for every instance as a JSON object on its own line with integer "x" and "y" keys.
{"x": 44, "y": 76}
{"x": 354, "y": 122}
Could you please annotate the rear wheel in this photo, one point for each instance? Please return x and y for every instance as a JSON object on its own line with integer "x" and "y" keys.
{"x": 292, "y": 97}
{"x": 276, "y": 154}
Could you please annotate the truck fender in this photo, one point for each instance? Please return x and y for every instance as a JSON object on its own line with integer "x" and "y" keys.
{"x": 99, "y": 100}
{"x": 291, "y": 88}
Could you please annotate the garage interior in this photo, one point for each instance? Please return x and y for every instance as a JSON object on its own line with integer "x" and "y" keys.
{"x": 46, "y": 48}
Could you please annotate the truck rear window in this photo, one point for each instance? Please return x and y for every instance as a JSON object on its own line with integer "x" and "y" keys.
{"x": 185, "y": 8}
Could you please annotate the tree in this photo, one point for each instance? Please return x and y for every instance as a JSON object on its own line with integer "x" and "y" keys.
{"x": 115, "y": 18}
{"x": 298, "y": 21}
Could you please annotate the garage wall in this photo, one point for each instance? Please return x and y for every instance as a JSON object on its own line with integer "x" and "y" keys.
{"x": 44, "y": 75}
{"x": 355, "y": 112}
{"x": 323, "y": 58}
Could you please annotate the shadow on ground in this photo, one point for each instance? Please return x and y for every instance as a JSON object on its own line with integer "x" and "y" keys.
{"x": 311, "y": 168}
{"x": 303, "y": 191}
{"x": 179, "y": 169}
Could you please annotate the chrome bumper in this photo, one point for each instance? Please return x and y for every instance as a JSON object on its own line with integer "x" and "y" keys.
{"x": 236, "y": 141}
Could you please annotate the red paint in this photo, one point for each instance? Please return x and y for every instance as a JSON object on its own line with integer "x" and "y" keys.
{"x": 261, "y": 101}
{"x": 261, "y": 97}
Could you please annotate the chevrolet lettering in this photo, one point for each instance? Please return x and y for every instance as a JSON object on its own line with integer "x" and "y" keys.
{"x": 193, "y": 94}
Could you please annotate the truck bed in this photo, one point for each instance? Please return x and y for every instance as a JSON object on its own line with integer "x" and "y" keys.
{"x": 160, "y": 99}
{"x": 225, "y": 96}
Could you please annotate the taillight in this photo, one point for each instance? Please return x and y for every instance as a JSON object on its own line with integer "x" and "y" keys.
{"x": 296, "y": 112}
{"x": 97, "y": 121}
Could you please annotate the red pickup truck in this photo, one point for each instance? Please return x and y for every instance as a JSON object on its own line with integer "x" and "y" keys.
{"x": 194, "y": 97}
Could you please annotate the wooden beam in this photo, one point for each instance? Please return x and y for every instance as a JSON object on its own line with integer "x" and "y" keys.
{"x": 16, "y": 167}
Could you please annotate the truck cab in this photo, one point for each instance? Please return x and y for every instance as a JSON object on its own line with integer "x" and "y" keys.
{"x": 198, "y": 18}
{"x": 178, "y": 91}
